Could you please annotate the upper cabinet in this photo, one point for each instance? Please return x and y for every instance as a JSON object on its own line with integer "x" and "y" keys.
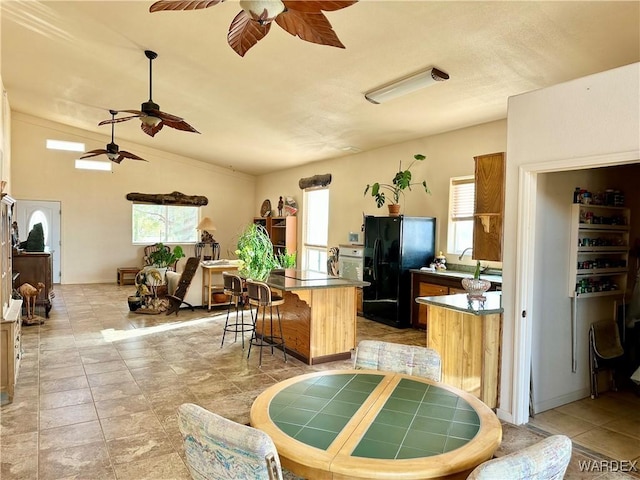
{"x": 489, "y": 207}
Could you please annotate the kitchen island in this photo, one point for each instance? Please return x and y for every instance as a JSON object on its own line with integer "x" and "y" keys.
{"x": 318, "y": 315}
{"x": 467, "y": 334}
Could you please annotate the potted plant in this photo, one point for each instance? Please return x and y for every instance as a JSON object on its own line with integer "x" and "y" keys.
{"x": 255, "y": 251}
{"x": 400, "y": 182}
{"x": 163, "y": 257}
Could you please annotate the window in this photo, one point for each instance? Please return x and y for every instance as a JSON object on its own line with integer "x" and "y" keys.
{"x": 93, "y": 165}
{"x": 461, "y": 205}
{"x": 316, "y": 230}
{"x": 164, "y": 223}
{"x": 66, "y": 146}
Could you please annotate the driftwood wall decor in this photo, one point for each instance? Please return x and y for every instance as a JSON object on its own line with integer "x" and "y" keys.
{"x": 173, "y": 198}
{"x": 315, "y": 181}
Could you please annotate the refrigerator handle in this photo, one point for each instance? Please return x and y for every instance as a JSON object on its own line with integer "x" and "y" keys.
{"x": 376, "y": 252}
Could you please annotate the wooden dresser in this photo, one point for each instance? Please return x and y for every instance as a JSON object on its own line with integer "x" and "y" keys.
{"x": 36, "y": 267}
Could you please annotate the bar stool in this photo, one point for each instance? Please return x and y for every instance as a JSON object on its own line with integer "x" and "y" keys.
{"x": 260, "y": 295}
{"x": 233, "y": 288}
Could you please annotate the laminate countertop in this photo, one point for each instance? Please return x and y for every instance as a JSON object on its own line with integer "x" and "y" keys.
{"x": 460, "y": 302}
{"x": 292, "y": 279}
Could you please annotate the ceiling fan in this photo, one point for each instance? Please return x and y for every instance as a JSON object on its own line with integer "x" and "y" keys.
{"x": 113, "y": 150}
{"x": 152, "y": 118}
{"x": 301, "y": 18}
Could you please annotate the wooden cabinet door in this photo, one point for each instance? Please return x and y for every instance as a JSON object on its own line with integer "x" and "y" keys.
{"x": 426, "y": 290}
{"x": 489, "y": 207}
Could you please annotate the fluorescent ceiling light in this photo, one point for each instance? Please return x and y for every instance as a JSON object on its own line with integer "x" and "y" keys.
{"x": 67, "y": 146}
{"x": 406, "y": 85}
{"x": 93, "y": 165}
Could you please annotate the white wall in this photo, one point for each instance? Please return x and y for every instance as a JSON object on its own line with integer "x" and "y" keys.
{"x": 96, "y": 216}
{"x": 448, "y": 155}
{"x": 591, "y": 121}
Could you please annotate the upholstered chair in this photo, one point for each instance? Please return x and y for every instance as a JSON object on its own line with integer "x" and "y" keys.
{"x": 219, "y": 449}
{"x": 395, "y": 357}
{"x": 545, "y": 460}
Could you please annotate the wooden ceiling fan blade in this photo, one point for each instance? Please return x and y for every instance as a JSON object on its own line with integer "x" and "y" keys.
{"x": 121, "y": 119}
{"x": 164, "y": 5}
{"x": 93, "y": 153}
{"x": 151, "y": 130}
{"x": 166, "y": 116}
{"x": 311, "y": 27}
{"x": 244, "y": 33}
{"x": 132, "y": 156}
{"x": 311, "y": 6}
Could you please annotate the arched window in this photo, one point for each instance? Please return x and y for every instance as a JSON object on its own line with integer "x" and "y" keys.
{"x": 39, "y": 217}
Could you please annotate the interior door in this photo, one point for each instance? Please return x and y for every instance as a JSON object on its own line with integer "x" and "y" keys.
{"x": 30, "y": 212}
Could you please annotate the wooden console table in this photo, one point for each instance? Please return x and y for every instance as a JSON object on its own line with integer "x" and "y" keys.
{"x": 211, "y": 270}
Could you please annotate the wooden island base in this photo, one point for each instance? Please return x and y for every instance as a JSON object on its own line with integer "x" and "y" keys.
{"x": 318, "y": 324}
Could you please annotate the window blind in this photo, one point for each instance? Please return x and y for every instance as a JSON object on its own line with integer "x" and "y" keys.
{"x": 462, "y": 199}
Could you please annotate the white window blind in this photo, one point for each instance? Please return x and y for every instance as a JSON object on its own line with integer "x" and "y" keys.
{"x": 462, "y": 199}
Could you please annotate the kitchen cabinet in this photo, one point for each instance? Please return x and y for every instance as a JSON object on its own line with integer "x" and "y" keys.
{"x": 489, "y": 206}
{"x": 10, "y": 319}
{"x": 282, "y": 231}
{"x": 430, "y": 284}
{"x": 36, "y": 267}
{"x": 599, "y": 250}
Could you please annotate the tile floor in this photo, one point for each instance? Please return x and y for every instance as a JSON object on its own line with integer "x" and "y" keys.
{"x": 98, "y": 388}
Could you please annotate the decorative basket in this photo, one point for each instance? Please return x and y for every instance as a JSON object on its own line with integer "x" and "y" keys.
{"x": 475, "y": 287}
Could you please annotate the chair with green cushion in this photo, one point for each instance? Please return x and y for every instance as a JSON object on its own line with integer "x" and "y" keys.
{"x": 544, "y": 460}
{"x": 396, "y": 357}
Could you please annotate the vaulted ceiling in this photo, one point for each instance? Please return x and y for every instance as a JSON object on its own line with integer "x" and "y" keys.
{"x": 288, "y": 102}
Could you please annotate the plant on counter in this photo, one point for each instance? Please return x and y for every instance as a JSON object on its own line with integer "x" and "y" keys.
{"x": 255, "y": 252}
{"x": 400, "y": 182}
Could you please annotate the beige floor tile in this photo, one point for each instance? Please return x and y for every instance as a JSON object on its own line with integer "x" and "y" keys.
{"x": 616, "y": 445}
{"x": 630, "y": 427}
{"x": 58, "y": 417}
{"x": 70, "y": 435}
{"x": 17, "y": 456}
{"x": 65, "y": 399}
{"x": 589, "y": 413}
{"x": 63, "y": 384}
{"x": 89, "y": 461}
{"x": 122, "y": 406}
{"x": 131, "y": 424}
{"x": 116, "y": 390}
{"x": 152, "y": 443}
{"x": 554, "y": 421}
{"x": 165, "y": 466}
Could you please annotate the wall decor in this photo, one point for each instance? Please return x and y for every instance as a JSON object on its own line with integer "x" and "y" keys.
{"x": 173, "y": 198}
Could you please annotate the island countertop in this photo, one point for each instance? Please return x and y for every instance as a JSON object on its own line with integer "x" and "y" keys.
{"x": 461, "y": 303}
{"x": 293, "y": 279}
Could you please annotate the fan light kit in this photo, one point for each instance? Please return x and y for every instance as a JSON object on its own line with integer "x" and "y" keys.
{"x": 303, "y": 19}
{"x": 406, "y": 85}
{"x": 149, "y": 114}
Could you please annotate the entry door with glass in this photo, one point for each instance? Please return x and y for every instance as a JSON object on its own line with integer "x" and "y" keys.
{"x": 30, "y": 212}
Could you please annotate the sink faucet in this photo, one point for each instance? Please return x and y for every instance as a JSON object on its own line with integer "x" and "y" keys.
{"x": 464, "y": 251}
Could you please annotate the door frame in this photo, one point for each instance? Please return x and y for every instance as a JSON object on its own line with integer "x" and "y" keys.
{"x": 56, "y": 231}
{"x": 525, "y": 273}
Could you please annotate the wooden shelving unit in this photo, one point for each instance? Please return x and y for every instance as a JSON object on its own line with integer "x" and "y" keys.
{"x": 282, "y": 232}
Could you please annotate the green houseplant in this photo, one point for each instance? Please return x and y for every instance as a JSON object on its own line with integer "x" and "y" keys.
{"x": 164, "y": 257}
{"x": 400, "y": 182}
{"x": 255, "y": 251}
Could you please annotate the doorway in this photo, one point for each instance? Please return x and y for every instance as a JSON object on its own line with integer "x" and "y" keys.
{"x": 30, "y": 212}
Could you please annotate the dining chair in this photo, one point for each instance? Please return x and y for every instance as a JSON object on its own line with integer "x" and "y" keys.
{"x": 260, "y": 296}
{"x": 544, "y": 460}
{"x": 233, "y": 288}
{"x": 395, "y": 357}
{"x": 217, "y": 448}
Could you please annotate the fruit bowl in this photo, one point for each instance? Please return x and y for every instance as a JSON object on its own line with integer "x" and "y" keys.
{"x": 475, "y": 287}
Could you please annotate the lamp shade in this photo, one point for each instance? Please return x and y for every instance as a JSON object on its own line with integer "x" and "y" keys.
{"x": 206, "y": 225}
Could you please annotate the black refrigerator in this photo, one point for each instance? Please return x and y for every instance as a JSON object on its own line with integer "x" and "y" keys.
{"x": 393, "y": 246}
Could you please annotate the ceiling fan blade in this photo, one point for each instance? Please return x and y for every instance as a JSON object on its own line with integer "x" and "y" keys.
{"x": 311, "y": 6}
{"x": 132, "y": 156}
{"x": 151, "y": 130}
{"x": 164, "y": 115}
{"x": 182, "y": 5}
{"x": 311, "y": 27}
{"x": 93, "y": 153}
{"x": 121, "y": 119}
{"x": 244, "y": 33}
{"x": 173, "y": 121}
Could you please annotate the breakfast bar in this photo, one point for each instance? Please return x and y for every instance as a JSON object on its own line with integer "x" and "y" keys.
{"x": 318, "y": 316}
{"x": 467, "y": 333}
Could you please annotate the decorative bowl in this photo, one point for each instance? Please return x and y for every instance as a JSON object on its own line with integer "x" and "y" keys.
{"x": 475, "y": 287}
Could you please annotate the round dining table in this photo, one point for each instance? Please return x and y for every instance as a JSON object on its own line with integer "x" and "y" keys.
{"x": 369, "y": 424}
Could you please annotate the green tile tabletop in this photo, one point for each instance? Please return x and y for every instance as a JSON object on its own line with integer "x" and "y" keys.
{"x": 360, "y": 423}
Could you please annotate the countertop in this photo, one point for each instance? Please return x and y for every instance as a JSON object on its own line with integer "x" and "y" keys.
{"x": 457, "y": 274}
{"x": 292, "y": 279}
{"x": 461, "y": 303}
